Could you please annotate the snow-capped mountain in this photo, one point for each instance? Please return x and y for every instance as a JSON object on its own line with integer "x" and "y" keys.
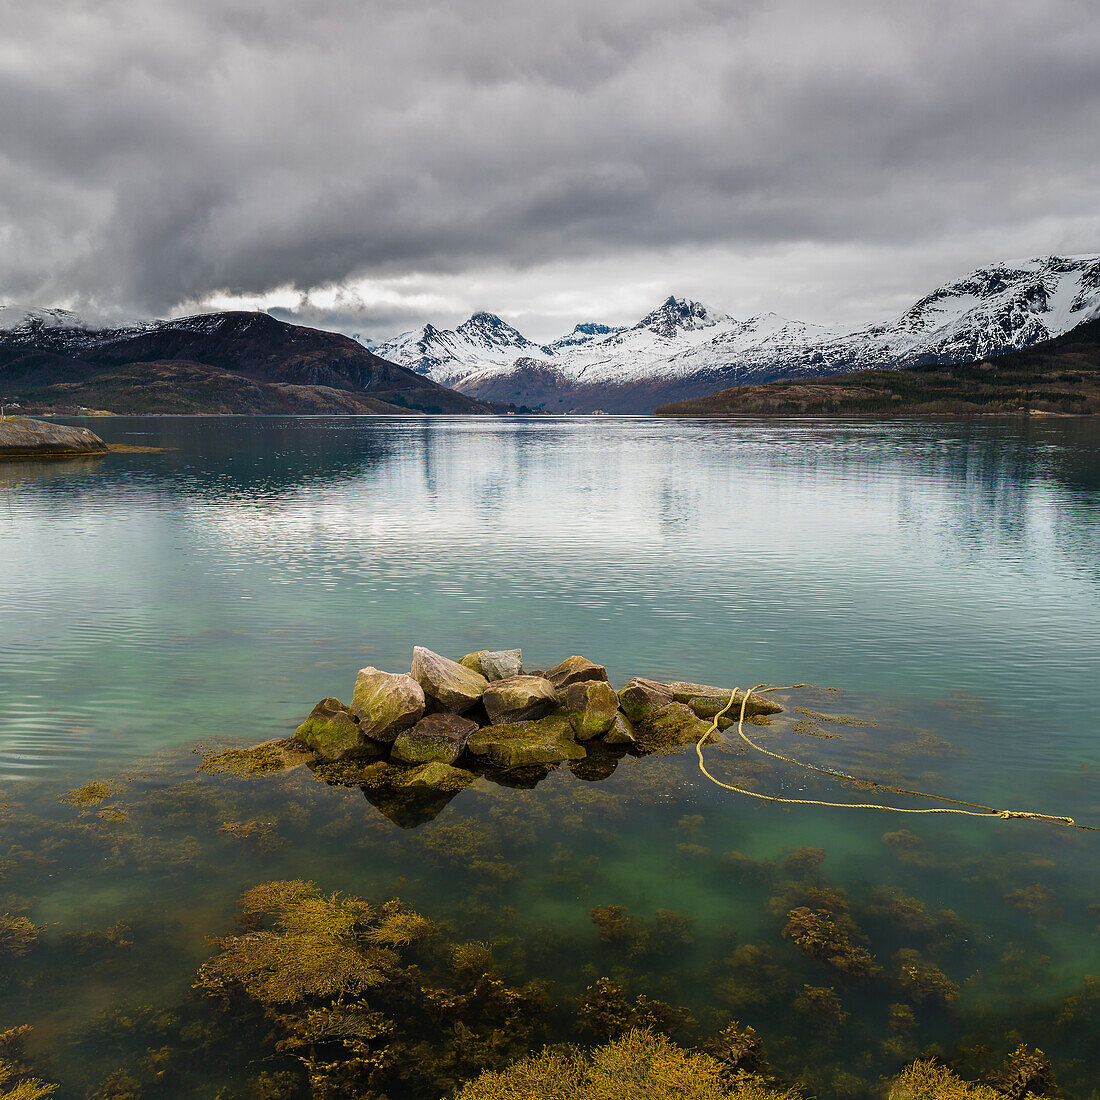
{"x": 683, "y": 349}
{"x": 452, "y": 353}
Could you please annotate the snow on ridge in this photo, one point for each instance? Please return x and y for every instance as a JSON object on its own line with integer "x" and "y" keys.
{"x": 991, "y": 310}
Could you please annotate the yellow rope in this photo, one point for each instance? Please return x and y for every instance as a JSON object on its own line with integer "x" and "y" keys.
{"x": 977, "y": 811}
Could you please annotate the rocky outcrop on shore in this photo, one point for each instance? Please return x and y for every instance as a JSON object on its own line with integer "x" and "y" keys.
{"x": 414, "y": 740}
{"x": 22, "y": 437}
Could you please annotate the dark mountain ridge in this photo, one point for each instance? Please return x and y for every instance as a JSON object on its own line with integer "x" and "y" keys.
{"x": 243, "y": 353}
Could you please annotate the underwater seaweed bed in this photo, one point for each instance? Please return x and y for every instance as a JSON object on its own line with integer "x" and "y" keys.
{"x": 269, "y": 933}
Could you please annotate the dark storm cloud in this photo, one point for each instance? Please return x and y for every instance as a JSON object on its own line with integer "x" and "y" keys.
{"x": 153, "y": 153}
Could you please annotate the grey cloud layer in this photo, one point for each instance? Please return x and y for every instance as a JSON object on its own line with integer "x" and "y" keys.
{"x": 153, "y": 153}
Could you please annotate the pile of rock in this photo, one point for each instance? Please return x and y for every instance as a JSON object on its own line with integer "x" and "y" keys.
{"x": 452, "y": 720}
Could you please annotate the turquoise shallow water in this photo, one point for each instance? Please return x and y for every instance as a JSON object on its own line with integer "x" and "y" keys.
{"x": 944, "y": 575}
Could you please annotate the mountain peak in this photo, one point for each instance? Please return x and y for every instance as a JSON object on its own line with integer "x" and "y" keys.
{"x": 489, "y": 329}
{"x": 675, "y": 315}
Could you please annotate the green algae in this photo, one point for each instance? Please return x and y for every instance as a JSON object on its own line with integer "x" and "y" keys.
{"x": 268, "y": 758}
{"x": 90, "y": 794}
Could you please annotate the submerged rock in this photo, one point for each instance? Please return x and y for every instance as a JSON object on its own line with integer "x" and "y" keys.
{"x": 455, "y": 687}
{"x": 641, "y": 697}
{"x": 527, "y": 744}
{"x": 592, "y": 706}
{"x": 385, "y": 703}
{"x": 438, "y": 776}
{"x": 436, "y": 737}
{"x": 21, "y": 437}
{"x": 575, "y": 670}
{"x": 495, "y": 664}
{"x": 332, "y": 732}
{"x": 707, "y": 701}
{"x": 519, "y": 699}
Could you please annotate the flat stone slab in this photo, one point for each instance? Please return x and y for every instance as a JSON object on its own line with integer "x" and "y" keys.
{"x": 438, "y": 738}
{"x": 519, "y": 699}
{"x": 385, "y": 703}
{"x": 454, "y": 686}
{"x": 437, "y": 776}
{"x": 527, "y": 744}
{"x": 707, "y": 701}
{"x": 22, "y": 437}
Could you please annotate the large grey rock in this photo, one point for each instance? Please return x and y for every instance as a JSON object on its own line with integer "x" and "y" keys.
{"x": 575, "y": 670}
{"x": 641, "y": 697}
{"x": 20, "y": 437}
{"x": 437, "y": 737}
{"x": 519, "y": 699}
{"x": 707, "y": 701}
{"x": 527, "y": 744}
{"x": 386, "y": 703}
{"x": 495, "y": 664}
{"x": 332, "y": 732}
{"x": 592, "y": 706}
{"x": 453, "y": 686}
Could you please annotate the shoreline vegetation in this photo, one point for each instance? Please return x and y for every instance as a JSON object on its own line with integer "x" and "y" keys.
{"x": 1059, "y": 377}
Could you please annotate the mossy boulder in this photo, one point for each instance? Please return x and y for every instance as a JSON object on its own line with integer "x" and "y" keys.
{"x": 519, "y": 699}
{"x": 436, "y": 737}
{"x": 385, "y": 703}
{"x": 575, "y": 670}
{"x": 621, "y": 732}
{"x": 641, "y": 698}
{"x": 437, "y": 776}
{"x": 706, "y": 701}
{"x": 527, "y": 744}
{"x": 455, "y": 687}
{"x": 332, "y": 732}
{"x": 495, "y": 664}
{"x": 592, "y": 706}
{"x": 669, "y": 727}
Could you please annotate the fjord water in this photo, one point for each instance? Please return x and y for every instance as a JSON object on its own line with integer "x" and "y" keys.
{"x": 943, "y": 576}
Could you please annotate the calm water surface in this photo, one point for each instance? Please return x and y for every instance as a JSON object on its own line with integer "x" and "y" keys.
{"x": 943, "y": 576}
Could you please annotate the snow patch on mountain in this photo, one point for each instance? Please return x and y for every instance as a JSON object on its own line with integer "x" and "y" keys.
{"x": 988, "y": 312}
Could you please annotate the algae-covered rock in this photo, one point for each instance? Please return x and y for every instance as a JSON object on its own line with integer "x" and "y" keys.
{"x": 436, "y": 737}
{"x": 621, "y": 731}
{"x": 641, "y": 698}
{"x": 519, "y": 699}
{"x": 592, "y": 706}
{"x": 575, "y": 670}
{"x": 668, "y": 727}
{"x": 455, "y": 687}
{"x": 527, "y": 744}
{"x": 385, "y": 703}
{"x": 707, "y": 701}
{"x": 437, "y": 776}
{"x": 495, "y": 664}
{"x": 332, "y": 732}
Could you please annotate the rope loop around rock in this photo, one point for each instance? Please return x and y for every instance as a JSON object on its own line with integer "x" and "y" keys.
{"x": 977, "y": 809}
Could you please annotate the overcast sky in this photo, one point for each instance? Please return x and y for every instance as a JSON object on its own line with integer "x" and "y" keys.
{"x": 370, "y": 165}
